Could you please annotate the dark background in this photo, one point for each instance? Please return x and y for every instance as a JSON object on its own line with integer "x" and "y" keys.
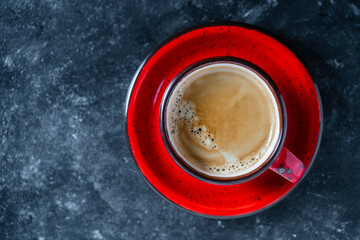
{"x": 66, "y": 172}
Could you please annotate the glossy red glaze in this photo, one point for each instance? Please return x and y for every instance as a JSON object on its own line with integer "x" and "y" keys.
{"x": 288, "y": 166}
{"x": 142, "y": 120}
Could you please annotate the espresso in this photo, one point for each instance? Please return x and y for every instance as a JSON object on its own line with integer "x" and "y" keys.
{"x": 223, "y": 120}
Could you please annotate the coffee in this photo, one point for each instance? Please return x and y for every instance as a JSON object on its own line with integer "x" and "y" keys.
{"x": 223, "y": 120}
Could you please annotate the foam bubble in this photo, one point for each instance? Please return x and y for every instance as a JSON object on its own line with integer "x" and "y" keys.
{"x": 233, "y": 165}
{"x": 184, "y": 113}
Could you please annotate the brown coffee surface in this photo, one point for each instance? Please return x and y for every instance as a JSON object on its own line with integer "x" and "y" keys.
{"x": 223, "y": 120}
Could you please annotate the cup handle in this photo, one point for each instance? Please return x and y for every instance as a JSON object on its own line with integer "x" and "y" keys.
{"x": 288, "y": 166}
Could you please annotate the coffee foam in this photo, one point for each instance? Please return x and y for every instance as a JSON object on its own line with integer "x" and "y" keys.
{"x": 198, "y": 142}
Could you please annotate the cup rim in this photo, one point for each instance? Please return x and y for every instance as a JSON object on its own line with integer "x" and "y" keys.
{"x": 187, "y": 167}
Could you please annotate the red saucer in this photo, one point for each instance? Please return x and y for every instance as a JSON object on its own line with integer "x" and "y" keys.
{"x": 301, "y": 98}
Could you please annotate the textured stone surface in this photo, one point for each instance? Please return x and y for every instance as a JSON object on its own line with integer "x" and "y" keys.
{"x": 65, "y": 170}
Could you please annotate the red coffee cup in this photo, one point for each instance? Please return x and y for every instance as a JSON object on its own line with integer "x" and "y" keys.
{"x": 281, "y": 160}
